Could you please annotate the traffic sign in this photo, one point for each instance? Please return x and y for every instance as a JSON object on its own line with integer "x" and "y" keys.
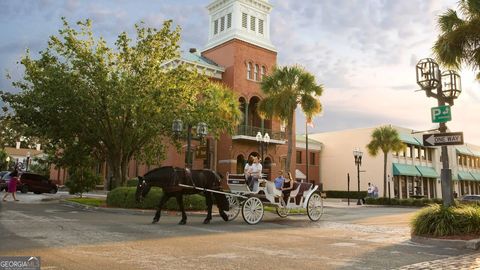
{"x": 438, "y": 139}
{"x": 441, "y": 114}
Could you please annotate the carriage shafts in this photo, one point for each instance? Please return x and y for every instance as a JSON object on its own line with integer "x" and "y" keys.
{"x": 214, "y": 191}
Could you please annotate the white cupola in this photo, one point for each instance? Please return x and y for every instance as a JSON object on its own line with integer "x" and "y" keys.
{"x": 246, "y": 20}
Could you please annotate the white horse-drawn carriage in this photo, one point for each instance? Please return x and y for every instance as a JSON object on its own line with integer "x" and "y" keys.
{"x": 251, "y": 204}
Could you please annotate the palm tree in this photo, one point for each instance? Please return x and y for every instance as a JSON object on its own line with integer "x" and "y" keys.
{"x": 459, "y": 40}
{"x": 284, "y": 89}
{"x": 386, "y": 139}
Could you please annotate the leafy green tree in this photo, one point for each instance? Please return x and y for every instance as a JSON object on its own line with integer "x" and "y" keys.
{"x": 113, "y": 104}
{"x": 81, "y": 180}
{"x": 3, "y": 160}
{"x": 459, "y": 40}
{"x": 385, "y": 139}
{"x": 285, "y": 89}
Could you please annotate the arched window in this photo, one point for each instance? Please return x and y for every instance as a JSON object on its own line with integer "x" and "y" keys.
{"x": 263, "y": 72}
{"x": 249, "y": 70}
{"x": 255, "y": 73}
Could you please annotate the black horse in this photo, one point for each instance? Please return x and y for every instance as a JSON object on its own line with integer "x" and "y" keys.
{"x": 169, "y": 178}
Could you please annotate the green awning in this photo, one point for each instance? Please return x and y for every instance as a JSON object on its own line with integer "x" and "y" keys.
{"x": 463, "y": 150}
{"x": 465, "y": 176}
{"x": 476, "y": 175}
{"x": 405, "y": 169}
{"x": 475, "y": 153}
{"x": 427, "y": 171}
{"x": 409, "y": 139}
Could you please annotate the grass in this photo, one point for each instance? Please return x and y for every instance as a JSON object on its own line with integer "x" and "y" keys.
{"x": 439, "y": 221}
{"x": 89, "y": 201}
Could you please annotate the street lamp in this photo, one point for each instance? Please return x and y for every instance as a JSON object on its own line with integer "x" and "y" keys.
{"x": 28, "y": 159}
{"x": 8, "y": 162}
{"x": 202, "y": 131}
{"x": 263, "y": 140}
{"x": 445, "y": 87}
{"x": 357, "y": 154}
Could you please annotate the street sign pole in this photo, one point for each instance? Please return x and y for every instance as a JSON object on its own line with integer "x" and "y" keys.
{"x": 446, "y": 175}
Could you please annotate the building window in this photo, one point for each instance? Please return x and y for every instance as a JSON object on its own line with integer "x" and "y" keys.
{"x": 417, "y": 152}
{"x": 401, "y": 153}
{"x": 255, "y": 73}
{"x": 252, "y": 23}
{"x": 244, "y": 20}
{"x": 264, "y": 71}
{"x": 422, "y": 153}
{"x": 429, "y": 154}
{"x": 249, "y": 70}
{"x": 409, "y": 151}
{"x": 215, "y": 27}
{"x": 222, "y": 24}
{"x": 229, "y": 20}
{"x": 312, "y": 159}
{"x": 299, "y": 157}
{"x": 260, "y": 26}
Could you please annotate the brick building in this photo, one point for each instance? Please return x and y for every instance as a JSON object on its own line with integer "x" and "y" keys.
{"x": 238, "y": 53}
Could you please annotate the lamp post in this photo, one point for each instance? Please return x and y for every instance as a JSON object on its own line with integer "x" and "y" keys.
{"x": 28, "y": 160}
{"x": 202, "y": 131}
{"x": 357, "y": 154}
{"x": 263, "y": 140}
{"x": 8, "y": 162}
{"x": 445, "y": 87}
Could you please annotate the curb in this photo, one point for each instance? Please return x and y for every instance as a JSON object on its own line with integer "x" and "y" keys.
{"x": 458, "y": 244}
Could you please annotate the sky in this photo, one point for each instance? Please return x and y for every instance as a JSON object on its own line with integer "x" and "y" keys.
{"x": 363, "y": 52}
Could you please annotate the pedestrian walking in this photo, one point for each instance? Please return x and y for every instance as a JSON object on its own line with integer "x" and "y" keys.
{"x": 12, "y": 186}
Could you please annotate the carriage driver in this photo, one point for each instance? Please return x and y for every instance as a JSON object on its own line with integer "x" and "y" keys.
{"x": 253, "y": 172}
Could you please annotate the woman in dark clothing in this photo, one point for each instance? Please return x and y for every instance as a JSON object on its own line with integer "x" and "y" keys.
{"x": 287, "y": 187}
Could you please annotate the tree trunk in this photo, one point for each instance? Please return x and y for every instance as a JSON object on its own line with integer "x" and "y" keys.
{"x": 124, "y": 169}
{"x": 116, "y": 172}
{"x": 290, "y": 146}
{"x": 385, "y": 174}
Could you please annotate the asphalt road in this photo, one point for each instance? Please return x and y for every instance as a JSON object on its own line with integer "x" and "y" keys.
{"x": 353, "y": 237}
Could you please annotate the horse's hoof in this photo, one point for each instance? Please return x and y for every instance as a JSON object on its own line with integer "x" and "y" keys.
{"x": 155, "y": 221}
{"x": 206, "y": 221}
{"x": 182, "y": 222}
{"x": 224, "y": 216}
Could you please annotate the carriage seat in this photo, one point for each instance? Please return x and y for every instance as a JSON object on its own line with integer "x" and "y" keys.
{"x": 272, "y": 190}
{"x": 302, "y": 187}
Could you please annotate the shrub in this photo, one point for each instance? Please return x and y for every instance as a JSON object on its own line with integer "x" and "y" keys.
{"x": 132, "y": 182}
{"x": 438, "y": 220}
{"x": 346, "y": 194}
{"x": 124, "y": 197}
{"x": 81, "y": 180}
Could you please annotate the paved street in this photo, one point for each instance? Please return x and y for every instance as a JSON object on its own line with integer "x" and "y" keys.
{"x": 346, "y": 238}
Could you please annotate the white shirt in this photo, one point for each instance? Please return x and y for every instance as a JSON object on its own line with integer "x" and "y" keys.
{"x": 256, "y": 169}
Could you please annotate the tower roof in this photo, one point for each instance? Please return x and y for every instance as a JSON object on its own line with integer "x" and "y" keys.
{"x": 246, "y": 20}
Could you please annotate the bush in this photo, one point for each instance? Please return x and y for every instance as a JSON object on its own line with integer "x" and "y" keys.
{"x": 345, "y": 194}
{"x": 81, "y": 180}
{"x": 124, "y": 197}
{"x": 132, "y": 182}
{"x": 438, "y": 220}
{"x": 404, "y": 202}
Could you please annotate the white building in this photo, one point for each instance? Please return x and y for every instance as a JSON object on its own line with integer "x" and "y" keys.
{"x": 415, "y": 172}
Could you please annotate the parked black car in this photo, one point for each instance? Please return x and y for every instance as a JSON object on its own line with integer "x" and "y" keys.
{"x": 36, "y": 183}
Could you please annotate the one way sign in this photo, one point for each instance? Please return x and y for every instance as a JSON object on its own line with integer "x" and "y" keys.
{"x": 437, "y": 139}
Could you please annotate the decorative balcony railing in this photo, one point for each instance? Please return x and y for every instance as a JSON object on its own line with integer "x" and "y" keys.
{"x": 252, "y": 131}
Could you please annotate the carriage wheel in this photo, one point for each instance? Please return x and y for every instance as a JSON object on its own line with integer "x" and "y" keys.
{"x": 252, "y": 210}
{"x": 234, "y": 209}
{"x": 282, "y": 209}
{"x": 315, "y": 207}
